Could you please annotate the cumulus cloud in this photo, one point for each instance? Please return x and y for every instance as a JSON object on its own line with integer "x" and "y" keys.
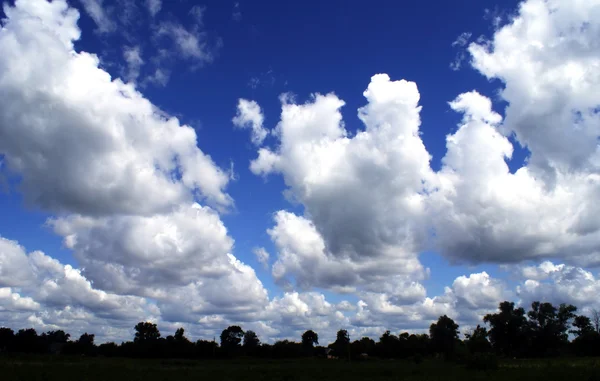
{"x": 82, "y": 141}
{"x": 249, "y": 115}
{"x": 372, "y": 198}
{"x": 558, "y": 283}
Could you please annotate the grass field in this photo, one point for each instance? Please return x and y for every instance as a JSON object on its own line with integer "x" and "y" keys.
{"x": 105, "y": 369}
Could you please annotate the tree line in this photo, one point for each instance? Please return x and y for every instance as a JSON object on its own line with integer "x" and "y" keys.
{"x": 543, "y": 331}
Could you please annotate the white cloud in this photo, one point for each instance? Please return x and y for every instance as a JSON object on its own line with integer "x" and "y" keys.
{"x": 159, "y": 78}
{"x": 559, "y": 284}
{"x": 101, "y": 15}
{"x": 154, "y": 6}
{"x": 81, "y": 141}
{"x": 249, "y": 115}
{"x": 133, "y": 58}
{"x": 189, "y": 43}
{"x": 374, "y": 195}
{"x": 262, "y": 256}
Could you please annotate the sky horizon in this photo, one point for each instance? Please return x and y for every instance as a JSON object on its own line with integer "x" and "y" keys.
{"x": 324, "y": 165}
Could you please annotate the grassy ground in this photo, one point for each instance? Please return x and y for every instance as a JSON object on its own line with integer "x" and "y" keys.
{"x": 64, "y": 368}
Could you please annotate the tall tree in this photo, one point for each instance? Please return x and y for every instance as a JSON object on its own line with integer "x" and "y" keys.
{"x": 507, "y": 328}
{"x": 231, "y": 337}
{"x": 444, "y": 335}
{"x": 583, "y": 326}
{"x": 310, "y": 339}
{"x": 477, "y": 341}
{"x": 596, "y": 320}
{"x": 341, "y": 346}
{"x": 7, "y": 337}
{"x": 146, "y": 332}
{"x": 251, "y": 340}
{"x": 179, "y": 335}
{"x": 549, "y": 327}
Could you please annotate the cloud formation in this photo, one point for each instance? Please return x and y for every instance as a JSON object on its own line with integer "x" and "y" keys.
{"x": 137, "y": 201}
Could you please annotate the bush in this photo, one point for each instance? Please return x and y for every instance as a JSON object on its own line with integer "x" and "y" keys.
{"x": 482, "y": 361}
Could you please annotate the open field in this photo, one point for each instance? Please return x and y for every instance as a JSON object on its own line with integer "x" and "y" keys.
{"x": 105, "y": 369}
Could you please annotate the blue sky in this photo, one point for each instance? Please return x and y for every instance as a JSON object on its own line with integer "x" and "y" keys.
{"x": 211, "y": 54}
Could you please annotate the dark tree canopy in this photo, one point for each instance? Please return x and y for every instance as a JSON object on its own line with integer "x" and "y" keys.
{"x": 583, "y": 325}
{"x": 251, "y": 340}
{"x": 507, "y": 328}
{"x": 145, "y": 332}
{"x": 310, "y": 339}
{"x": 444, "y": 335}
{"x": 231, "y": 337}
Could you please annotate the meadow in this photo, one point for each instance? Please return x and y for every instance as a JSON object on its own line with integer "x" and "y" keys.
{"x": 49, "y": 368}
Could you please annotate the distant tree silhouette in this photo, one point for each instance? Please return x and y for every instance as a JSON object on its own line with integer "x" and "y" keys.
{"x": 28, "y": 341}
{"x": 507, "y": 329}
{"x": 231, "y": 339}
{"x": 583, "y": 325}
{"x": 179, "y": 335}
{"x": 341, "y": 346}
{"x": 444, "y": 335}
{"x": 146, "y": 332}
{"x": 7, "y": 338}
{"x": 364, "y": 345}
{"x": 310, "y": 339}
{"x": 477, "y": 341}
{"x": 596, "y": 320}
{"x": 251, "y": 342}
{"x": 548, "y": 327}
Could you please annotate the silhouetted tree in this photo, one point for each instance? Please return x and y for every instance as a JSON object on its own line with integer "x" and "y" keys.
{"x": 341, "y": 346}
{"x": 444, "y": 335}
{"x": 596, "y": 320}
{"x": 251, "y": 342}
{"x": 7, "y": 337}
{"x": 231, "y": 338}
{"x": 548, "y": 327}
{"x": 179, "y": 335}
{"x": 108, "y": 349}
{"x": 364, "y": 345}
{"x": 146, "y": 332}
{"x": 28, "y": 341}
{"x": 587, "y": 340}
{"x": 310, "y": 339}
{"x": 507, "y": 328}
{"x": 477, "y": 341}
{"x": 388, "y": 345}
{"x": 583, "y": 326}
{"x": 205, "y": 348}
{"x": 286, "y": 349}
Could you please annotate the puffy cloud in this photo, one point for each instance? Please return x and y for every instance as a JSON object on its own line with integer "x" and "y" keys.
{"x": 558, "y": 284}
{"x": 81, "y": 141}
{"x": 374, "y": 195}
{"x": 10, "y": 301}
{"x": 548, "y": 58}
{"x": 362, "y": 195}
{"x": 249, "y": 115}
{"x": 303, "y": 258}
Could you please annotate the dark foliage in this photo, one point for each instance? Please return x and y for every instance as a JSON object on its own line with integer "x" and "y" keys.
{"x": 543, "y": 331}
